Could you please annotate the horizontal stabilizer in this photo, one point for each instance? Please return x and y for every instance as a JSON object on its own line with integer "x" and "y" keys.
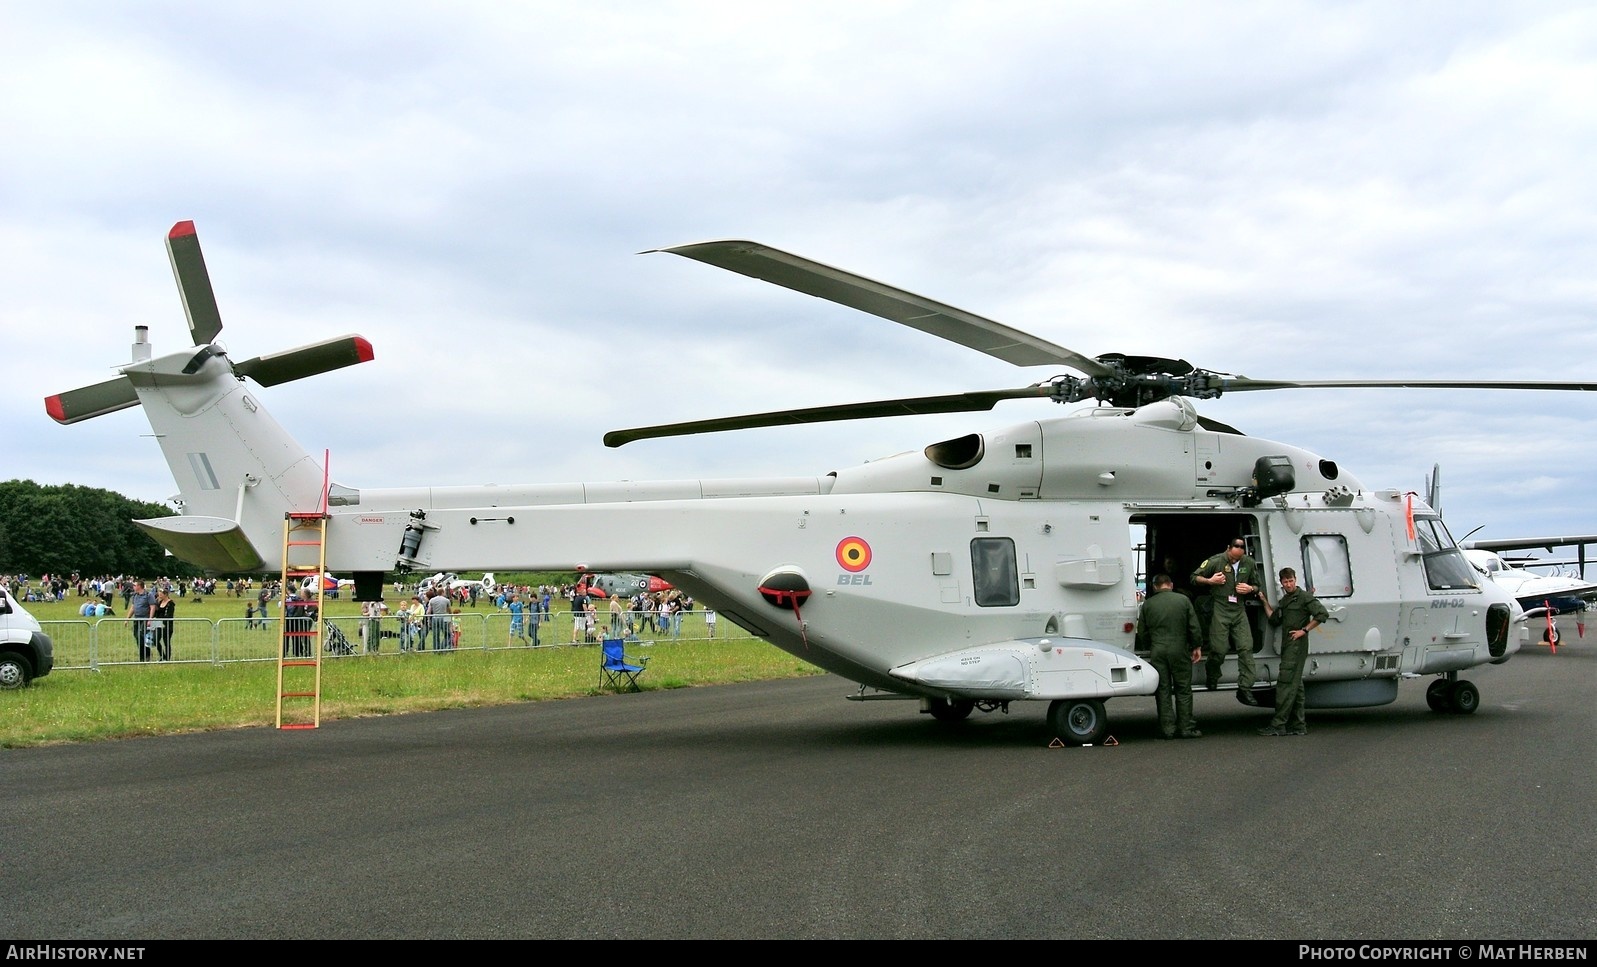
{"x": 292, "y": 364}
{"x": 90, "y": 401}
{"x": 215, "y": 543}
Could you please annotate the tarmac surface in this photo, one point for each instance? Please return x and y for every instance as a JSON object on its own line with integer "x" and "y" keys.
{"x": 778, "y": 810}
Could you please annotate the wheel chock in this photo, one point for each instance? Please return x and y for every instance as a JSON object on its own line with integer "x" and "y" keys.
{"x": 1058, "y": 743}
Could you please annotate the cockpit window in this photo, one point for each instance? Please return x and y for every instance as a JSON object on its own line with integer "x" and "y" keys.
{"x": 1446, "y": 568}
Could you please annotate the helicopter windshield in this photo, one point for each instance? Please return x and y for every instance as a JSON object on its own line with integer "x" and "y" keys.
{"x": 1446, "y": 568}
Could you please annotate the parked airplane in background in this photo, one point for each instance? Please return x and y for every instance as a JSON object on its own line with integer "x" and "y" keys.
{"x": 1560, "y": 592}
{"x": 1542, "y": 595}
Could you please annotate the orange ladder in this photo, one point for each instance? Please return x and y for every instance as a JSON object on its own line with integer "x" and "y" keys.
{"x": 304, "y": 536}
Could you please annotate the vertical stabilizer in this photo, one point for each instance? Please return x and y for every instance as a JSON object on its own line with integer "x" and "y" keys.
{"x": 237, "y": 470}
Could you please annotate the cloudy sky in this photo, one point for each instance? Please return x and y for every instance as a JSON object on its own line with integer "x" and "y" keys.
{"x": 1281, "y": 190}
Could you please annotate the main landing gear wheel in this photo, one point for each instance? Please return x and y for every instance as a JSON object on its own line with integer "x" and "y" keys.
{"x": 1436, "y": 696}
{"x": 1463, "y": 697}
{"x": 1078, "y": 721}
{"x": 945, "y": 710}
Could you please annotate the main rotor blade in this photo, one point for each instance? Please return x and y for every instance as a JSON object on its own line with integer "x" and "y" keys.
{"x": 193, "y": 283}
{"x": 1235, "y": 384}
{"x": 879, "y": 299}
{"x": 955, "y": 403}
{"x": 87, "y": 402}
{"x": 318, "y": 357}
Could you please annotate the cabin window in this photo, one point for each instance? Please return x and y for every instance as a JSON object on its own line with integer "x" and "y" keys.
{"x": 993, "y": 571}
{"x": 1327, "y": 570}
{"x": 1446, "y": 568}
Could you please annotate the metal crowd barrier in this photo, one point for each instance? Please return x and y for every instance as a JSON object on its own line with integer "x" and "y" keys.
{"x": 111, "y": 640}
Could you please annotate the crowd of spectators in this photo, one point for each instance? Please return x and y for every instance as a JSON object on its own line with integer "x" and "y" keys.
{"x": 423, "y": 613}
{"x": 107, "y": 588}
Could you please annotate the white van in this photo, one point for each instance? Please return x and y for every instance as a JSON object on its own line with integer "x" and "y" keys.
{"x": 25, "y": 650}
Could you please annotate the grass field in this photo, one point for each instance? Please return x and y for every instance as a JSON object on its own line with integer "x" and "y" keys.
{"x": 124, "y": 700}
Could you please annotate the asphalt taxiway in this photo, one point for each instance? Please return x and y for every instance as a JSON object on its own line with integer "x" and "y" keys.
{"x": 778, "y": 810}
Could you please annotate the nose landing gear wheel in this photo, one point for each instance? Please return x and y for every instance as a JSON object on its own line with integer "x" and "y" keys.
{"x": 1464, "y": 697}
{"x": 1078, "y": 721}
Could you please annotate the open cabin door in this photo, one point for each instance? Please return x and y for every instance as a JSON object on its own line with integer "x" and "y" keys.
{"x": 1176, "y": 542}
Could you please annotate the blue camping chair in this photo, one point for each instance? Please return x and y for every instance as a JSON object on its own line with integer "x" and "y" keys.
{"x": 614, "y": 669}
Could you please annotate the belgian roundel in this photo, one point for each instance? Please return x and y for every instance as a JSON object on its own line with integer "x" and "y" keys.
{"x": 853, "y": 554}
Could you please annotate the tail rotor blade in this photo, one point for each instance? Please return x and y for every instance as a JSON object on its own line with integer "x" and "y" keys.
{"x": 87, "y": 402}
{"x": 319, "y": 357}
{"x": 193, "y": 283}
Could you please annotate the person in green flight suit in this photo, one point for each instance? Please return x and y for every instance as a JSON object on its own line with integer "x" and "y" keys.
{"x": 1167, "y": 628}
{"x": 1298, "y": 613}
{"x": 1231, "y": 577}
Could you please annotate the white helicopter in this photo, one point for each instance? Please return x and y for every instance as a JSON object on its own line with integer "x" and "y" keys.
{"x": 450, "y": 582}
{"x": 995, "y": 567}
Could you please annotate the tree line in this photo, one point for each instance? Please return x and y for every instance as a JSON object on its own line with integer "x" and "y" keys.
{"x": 65, "y": 528}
